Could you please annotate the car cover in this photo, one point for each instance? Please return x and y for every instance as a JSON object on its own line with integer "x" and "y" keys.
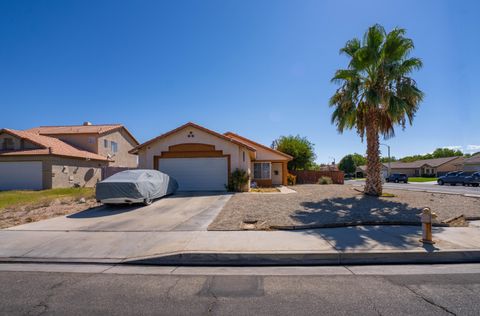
{"x": 136, "y": 184}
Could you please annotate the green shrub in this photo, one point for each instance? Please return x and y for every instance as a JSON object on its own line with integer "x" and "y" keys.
{"x": 291, "y": 179}
{"x": 238, "y": 181}
{"x": 325, "y": 180}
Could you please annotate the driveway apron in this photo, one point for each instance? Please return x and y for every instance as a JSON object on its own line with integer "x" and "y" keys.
{"x": 180, "y": 212}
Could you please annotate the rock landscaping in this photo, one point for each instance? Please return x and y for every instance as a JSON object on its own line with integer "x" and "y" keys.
{"x": 338, "y": 205}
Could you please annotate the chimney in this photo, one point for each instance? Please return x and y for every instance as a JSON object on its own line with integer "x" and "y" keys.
{"x": 87, "y": 123}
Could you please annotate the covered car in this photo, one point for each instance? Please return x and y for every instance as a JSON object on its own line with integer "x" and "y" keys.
{"x": 135, "y": 186}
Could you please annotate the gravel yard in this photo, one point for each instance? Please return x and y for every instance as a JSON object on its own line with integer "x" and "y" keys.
{"x": 327, "y": 205}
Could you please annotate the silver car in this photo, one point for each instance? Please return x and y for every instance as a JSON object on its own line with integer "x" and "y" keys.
{"x": 135, "y": 186}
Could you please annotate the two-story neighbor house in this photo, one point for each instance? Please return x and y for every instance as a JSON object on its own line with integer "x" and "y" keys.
{"x": 113, "y": 141}
{"x": 62, "y": 156}
{"x": 30, "y": 161}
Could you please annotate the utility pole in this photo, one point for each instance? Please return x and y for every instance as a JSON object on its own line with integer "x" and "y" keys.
{"x": 389, "y": 160}
{"x": 333, "y": 163}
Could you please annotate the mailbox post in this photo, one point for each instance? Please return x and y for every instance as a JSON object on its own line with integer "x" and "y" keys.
{"x": 427, "y": 218}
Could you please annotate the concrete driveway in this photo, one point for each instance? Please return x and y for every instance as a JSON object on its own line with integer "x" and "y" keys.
{"x": 180, "y": 212}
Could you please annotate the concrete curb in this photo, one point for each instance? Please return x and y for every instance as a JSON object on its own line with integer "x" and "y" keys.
{"x": 298, "y": 259}
{"x": 277, "y": 259}
{"x": 357, "y": 223}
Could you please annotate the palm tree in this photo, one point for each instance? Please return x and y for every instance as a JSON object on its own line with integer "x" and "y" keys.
{"x": 376, "y": 92}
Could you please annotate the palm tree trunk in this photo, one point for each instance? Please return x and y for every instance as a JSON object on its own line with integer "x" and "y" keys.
{"x": 373, "y": 184}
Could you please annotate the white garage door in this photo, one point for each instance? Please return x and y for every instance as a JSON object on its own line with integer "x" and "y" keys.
{"x": 21, "y": 175}
{"x": 197, "y": 174}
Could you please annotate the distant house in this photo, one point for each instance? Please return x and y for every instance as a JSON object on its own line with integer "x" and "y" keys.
{"x": 472, "y": 163}
{"x": 108, "y": 140}
{"x": 330, "y": 167}
{"x": 361, "y": 171}
{"x": 427, "y": 167}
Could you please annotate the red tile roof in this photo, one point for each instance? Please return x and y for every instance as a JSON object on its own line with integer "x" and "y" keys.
{"x": 252, "y": 143}
{"x": 80, "y": 129}
{"x": 74, "y": 129}
{"x": 48, "y": 146}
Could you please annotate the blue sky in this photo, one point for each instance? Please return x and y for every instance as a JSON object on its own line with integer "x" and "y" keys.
{"x": 259, "y": 68}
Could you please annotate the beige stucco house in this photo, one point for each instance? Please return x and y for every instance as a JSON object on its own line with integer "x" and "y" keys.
{"x": 472, "y": 164}
{"x": 108, "y": 140}
{"x": 428, "y": 167}
{"x": 29, "y": 161}
{"x": 202, "y": 160}
{"x": 361, "y": 171}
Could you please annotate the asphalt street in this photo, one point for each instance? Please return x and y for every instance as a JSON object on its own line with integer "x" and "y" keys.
{"x": 292, "y": 291}
{"x": 429, "y": 187}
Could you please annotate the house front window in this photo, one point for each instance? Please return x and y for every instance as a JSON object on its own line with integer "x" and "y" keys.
{"x": 105, "y": 143}
{"x": 8, "y": 144}
{"x": 262, "y": 170}
{"x": 114, "y": 146}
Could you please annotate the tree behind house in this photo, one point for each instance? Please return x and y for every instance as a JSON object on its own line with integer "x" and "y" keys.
{"x": 347, "y": 164}
{"x": 300, "y": 148}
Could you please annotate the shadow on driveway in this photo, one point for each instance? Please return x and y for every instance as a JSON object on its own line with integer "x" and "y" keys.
{"x": 183, "y": 194}
{"x": 105, "y": 210}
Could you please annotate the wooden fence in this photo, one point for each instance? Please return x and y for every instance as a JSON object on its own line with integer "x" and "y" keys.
{"x": 312, "y": 176}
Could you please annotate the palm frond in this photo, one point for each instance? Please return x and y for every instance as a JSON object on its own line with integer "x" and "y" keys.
{"x": 351, "y": 47}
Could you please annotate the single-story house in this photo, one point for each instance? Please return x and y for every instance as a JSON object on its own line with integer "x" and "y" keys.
{"x": 427, "y": 167}
{"x": 30, "y": 161}
{"x": 361, "y": 171}
{"x": 202, "y": 160}
{"x": 472, "y": 163}
{"x": 328, "y": 167}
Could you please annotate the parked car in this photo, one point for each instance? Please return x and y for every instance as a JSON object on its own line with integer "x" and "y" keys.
{"x": 397, "y": 177}
{"x": 473, "y": 180}
{"x": 135, "y": 186}
{"x": 453, "y": 178}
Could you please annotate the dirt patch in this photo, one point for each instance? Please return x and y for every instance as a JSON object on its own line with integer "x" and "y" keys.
{"x": 33, "y": 213}
{"x": 326, "y": 205}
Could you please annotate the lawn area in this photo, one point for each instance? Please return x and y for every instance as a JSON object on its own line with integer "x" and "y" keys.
{"x": 421, "y": 179}
{"x": 12, "y": 199}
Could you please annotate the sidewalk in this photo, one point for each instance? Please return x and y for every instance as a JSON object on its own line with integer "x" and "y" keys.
{"x": 346, "y": 245}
